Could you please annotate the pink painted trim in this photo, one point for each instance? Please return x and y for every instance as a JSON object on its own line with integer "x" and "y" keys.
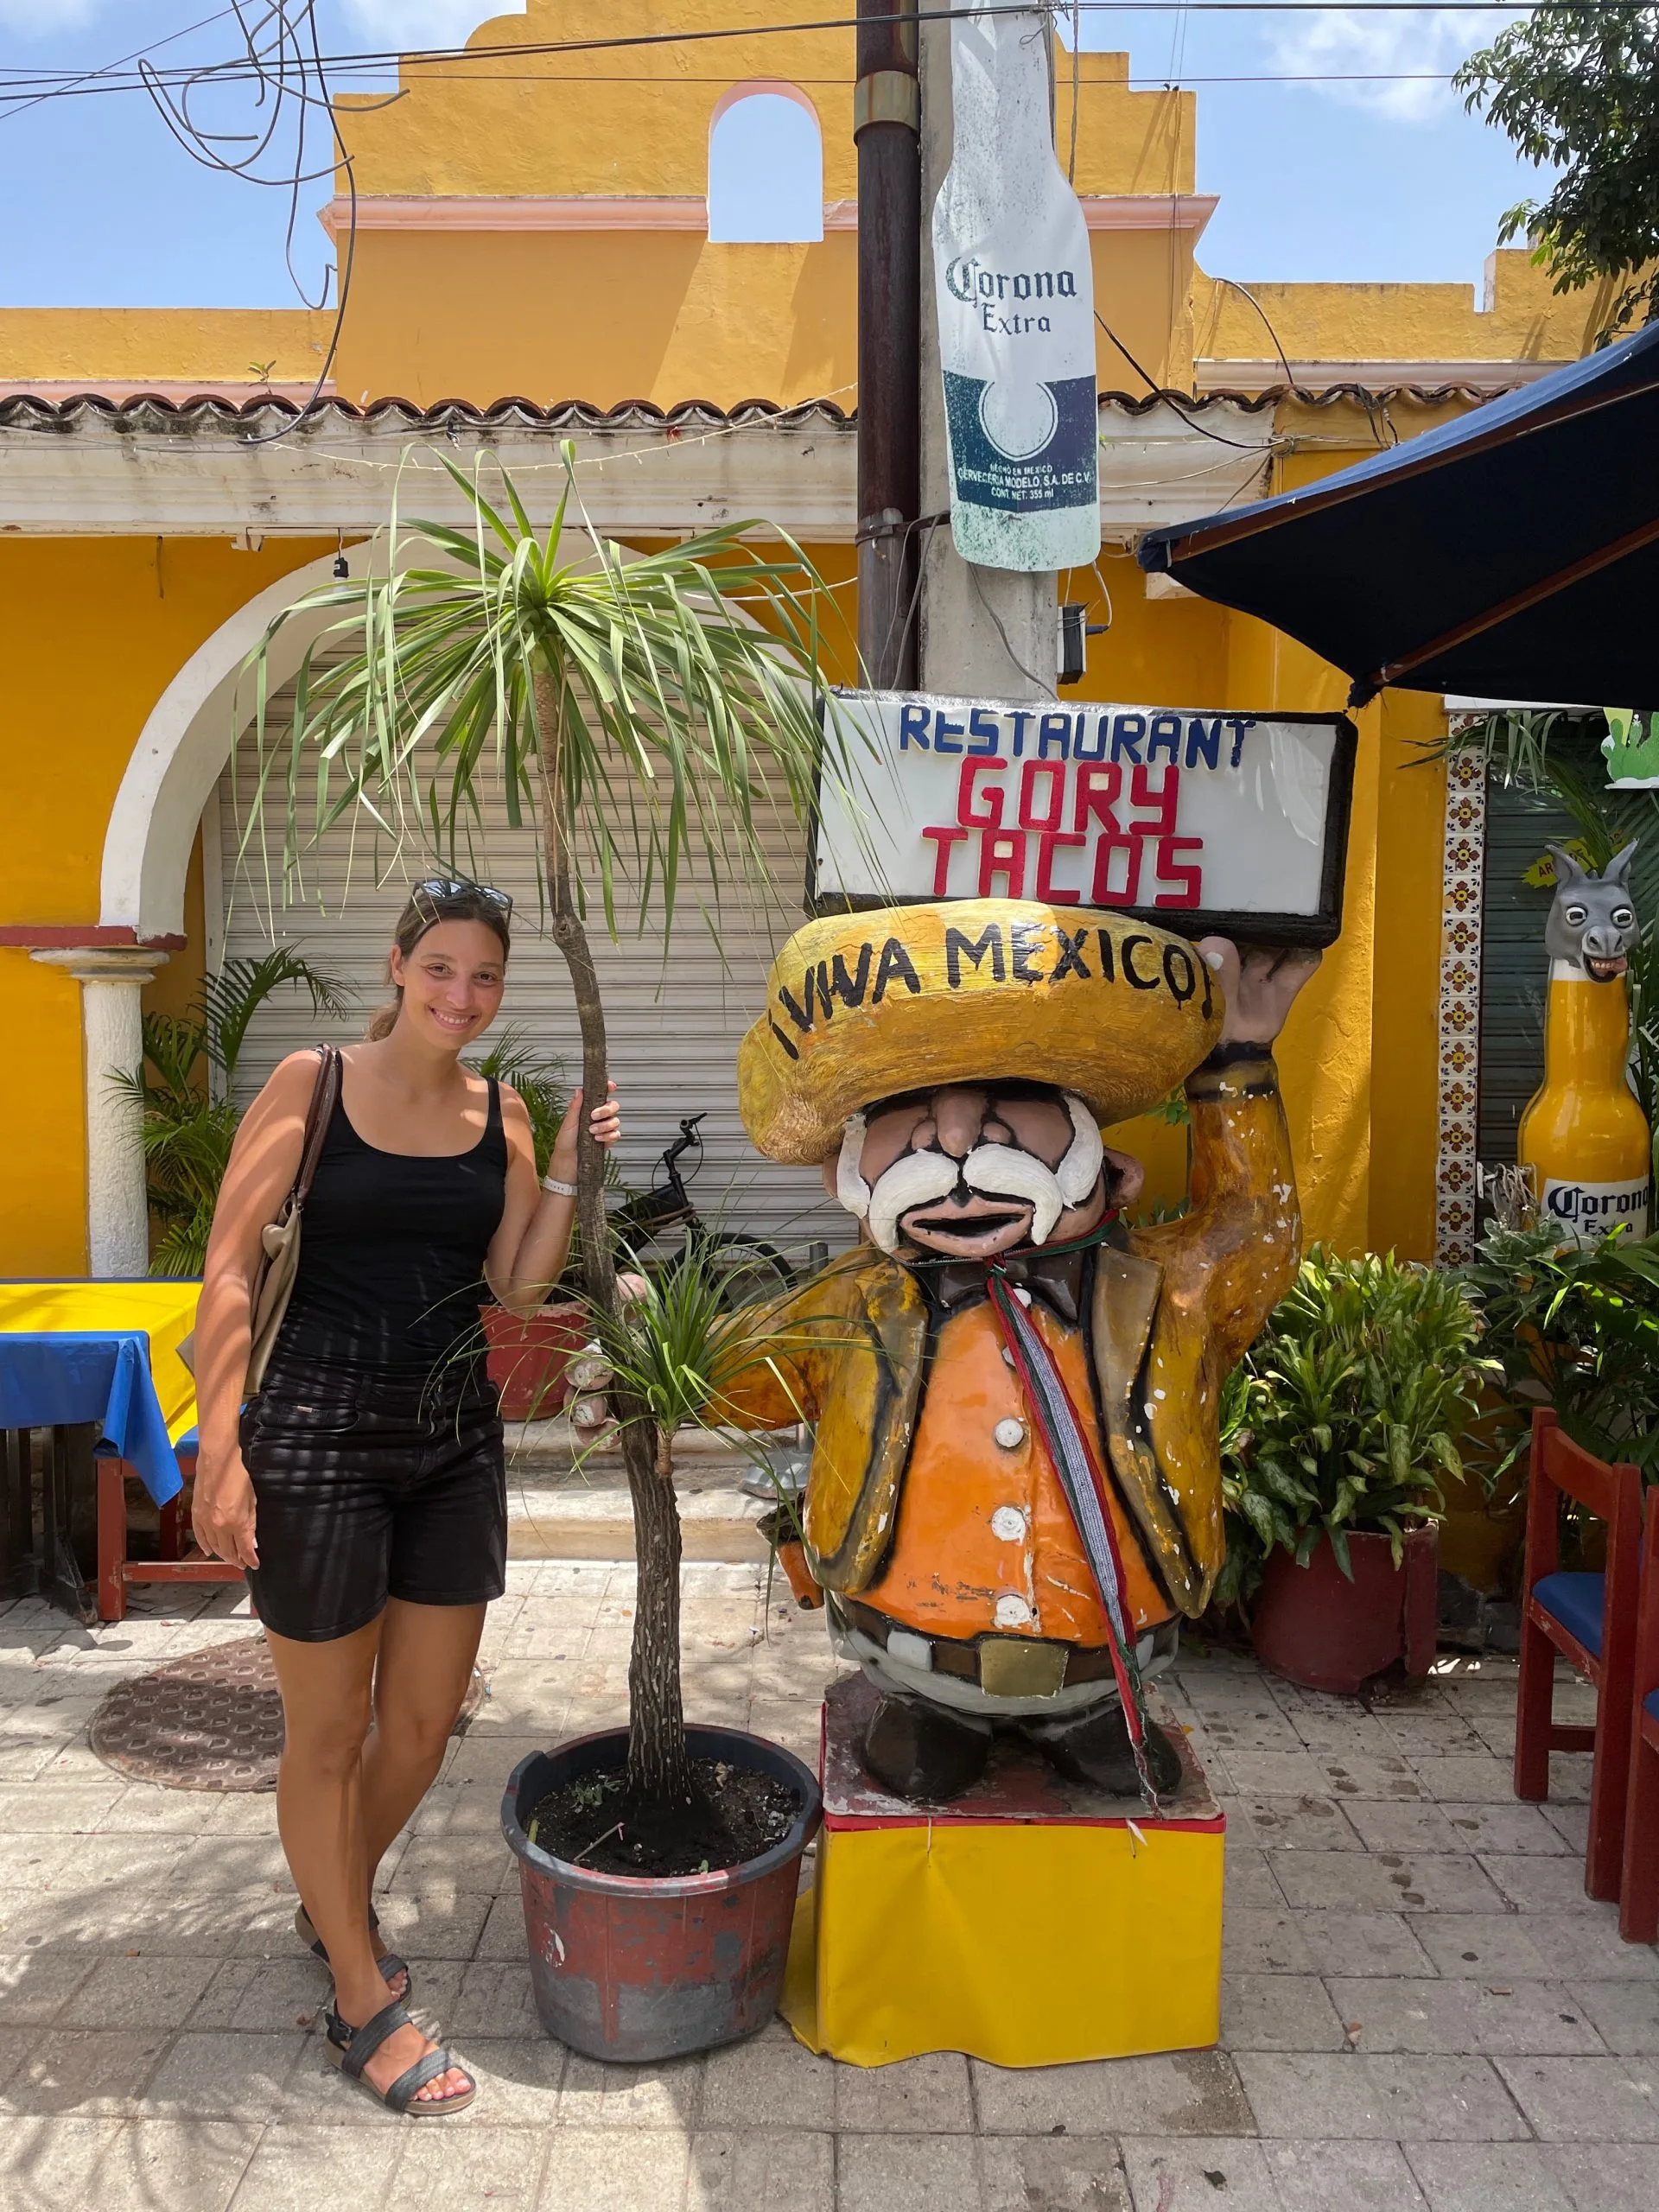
{"x": 777, "y": 86}
{"x": 1186, "y": 212}
{"x": 54, "y": 936}
{"x": 1135, "y": 211}
{"x": 580, "y": 212}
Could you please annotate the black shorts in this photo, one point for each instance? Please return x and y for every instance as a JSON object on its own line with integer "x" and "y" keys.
{"x": 369, "y": 1484}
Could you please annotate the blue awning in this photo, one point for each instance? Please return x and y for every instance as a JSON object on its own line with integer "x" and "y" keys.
{"x": 1512, "y": 554}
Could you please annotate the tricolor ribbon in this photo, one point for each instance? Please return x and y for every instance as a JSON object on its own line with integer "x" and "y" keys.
{"x": 1073, "y": 1458}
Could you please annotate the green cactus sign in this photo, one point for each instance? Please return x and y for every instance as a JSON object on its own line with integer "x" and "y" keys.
{"x": 1631, "y": 748}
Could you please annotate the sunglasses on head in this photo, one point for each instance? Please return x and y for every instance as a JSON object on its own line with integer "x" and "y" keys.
{"x": 447, "y": 888}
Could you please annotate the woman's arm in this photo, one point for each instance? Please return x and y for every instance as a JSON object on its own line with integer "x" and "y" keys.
{"x": 265, "y": 1161}
{"x": 528, "y": 1252}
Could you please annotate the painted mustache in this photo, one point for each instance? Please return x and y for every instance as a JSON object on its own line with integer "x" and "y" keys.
{"x": 995, "y": 1170}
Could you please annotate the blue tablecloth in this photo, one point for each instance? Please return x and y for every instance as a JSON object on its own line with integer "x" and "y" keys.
{"x": 48, "y": 1378}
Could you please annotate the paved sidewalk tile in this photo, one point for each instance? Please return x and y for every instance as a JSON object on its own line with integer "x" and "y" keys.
{"x": 771, "y": 2081}
{"x": 1278, "y": 2011}
{"x": 1487, "y": 2178}
{"x": 1524, "y": 2018}
{"x": 1179, "y": 2174}
{"x": 1587, "y": 2099}
{"x": 496, "y": 2170}
{"x": 1047, "y": 2173}
{"x": 1408, "y": 2098}
{"x": 1185, "y": 2093}
{"x": 916, "y": 2096}
{"x": 768, "y": 2169}
{"x": 1356, "y": 2176}
{"x": 906, "y": 2173}
{"x": 297, "y": 2168}
{"x": 186, "y": 2165}
{"x": 1625, "y": 2014}
{"x": 1604, "y": 2177}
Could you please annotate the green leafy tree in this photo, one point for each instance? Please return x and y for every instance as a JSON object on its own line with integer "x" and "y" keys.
{"x": 187, "y": 1118}
{"x": 644, "y": 710}
{"x": 1577, "y": 88}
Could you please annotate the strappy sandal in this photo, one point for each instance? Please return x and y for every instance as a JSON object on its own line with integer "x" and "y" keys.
{"x": 390, "y": 1964}
{"x": 351, "y": 2049}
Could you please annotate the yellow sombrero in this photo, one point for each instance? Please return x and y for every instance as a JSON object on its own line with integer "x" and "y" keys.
{"x": 862, "y": 1006}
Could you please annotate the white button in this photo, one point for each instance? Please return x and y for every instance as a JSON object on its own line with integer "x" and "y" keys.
{"x": 1012, "y": 1612}
{"x": 1008, "y": 1523}
{"x": 1010, "y": 1433}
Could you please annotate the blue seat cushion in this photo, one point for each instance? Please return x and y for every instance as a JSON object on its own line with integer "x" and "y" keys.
{"x": 1576, "y": 1601}
{"x": 1651, "y": 1703}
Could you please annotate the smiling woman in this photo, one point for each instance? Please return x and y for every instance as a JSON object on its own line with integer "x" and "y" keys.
{"x": 362, "y": 1485}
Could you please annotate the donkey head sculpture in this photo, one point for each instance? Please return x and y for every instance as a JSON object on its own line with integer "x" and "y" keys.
{"x": 1591, "y": 924}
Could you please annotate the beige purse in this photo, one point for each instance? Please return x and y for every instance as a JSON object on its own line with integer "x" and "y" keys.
{"x": 274, "y": 1284}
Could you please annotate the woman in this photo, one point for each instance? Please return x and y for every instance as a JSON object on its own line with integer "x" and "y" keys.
{"x": 364, "y": 1489}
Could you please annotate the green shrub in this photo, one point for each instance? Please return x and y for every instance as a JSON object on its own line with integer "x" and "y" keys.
{"x": 1347, "y": 1414}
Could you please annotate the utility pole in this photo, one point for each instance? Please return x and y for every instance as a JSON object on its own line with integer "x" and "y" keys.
{"x": 887, "y": 122}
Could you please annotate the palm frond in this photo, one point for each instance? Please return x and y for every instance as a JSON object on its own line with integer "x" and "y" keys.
{"x": 686, "y": 682}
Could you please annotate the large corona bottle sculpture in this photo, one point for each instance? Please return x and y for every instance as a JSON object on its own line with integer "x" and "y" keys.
{"x": 1584, "y": 1139}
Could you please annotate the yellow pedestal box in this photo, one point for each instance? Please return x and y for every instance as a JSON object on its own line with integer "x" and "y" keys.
{"x": 1030, "y": 1922}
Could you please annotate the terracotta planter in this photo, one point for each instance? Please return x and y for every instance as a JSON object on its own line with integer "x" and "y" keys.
{"x": 1313, "y": 1625}
{"x": 632, "y": 1968}
{"x": 527, "y": 1359}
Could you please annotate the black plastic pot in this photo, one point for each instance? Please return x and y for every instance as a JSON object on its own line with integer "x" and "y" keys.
{"x": 635, "y": 1968}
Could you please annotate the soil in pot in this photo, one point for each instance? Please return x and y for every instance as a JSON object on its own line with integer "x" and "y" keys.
{"x": 734, "y": 1815}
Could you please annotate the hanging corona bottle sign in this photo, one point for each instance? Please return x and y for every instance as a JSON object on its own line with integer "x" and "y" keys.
{"x": 1016, "y": 311}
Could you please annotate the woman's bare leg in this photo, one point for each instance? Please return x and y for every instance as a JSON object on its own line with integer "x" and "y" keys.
{"x": 425, "y": 1664}
{"x": 327, "y": 1691}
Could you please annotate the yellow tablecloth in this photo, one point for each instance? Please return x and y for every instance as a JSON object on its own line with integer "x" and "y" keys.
{"x": 165, "y": 1311}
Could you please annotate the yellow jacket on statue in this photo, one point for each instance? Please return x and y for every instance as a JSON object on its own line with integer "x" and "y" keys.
{"x": 958, "y": 1114}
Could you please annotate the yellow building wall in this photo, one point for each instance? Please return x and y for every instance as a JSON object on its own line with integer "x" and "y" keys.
{"x": 96, "y": 628}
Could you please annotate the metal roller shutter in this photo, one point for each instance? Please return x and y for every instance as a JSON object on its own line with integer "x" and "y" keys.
{"x": 674, "y": 1024}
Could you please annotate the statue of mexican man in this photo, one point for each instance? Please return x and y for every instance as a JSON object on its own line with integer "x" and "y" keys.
{"x": 1014, "y": 1492}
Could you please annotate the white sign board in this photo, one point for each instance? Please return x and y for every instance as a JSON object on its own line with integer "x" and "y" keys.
{"x": 1014, "y": 287}
{"x": 1193, "y": 818}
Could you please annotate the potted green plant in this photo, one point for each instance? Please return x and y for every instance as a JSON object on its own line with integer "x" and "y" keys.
{"x": 650, "y": 1934}
{"x": 644, "y": 710}
{"x": 1339, "y": 1427}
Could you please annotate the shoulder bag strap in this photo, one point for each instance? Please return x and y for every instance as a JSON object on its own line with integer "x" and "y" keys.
{"x": 324, "y": 1098}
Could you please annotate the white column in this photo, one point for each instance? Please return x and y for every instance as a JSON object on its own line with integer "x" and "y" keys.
{"x": 118, "y": 1220}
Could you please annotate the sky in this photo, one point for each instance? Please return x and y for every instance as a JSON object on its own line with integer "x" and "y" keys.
{"x": 1371, "y": 175}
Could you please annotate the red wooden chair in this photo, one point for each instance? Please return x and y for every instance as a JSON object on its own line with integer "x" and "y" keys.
{"x": 1638, "y": 1905}
{"x": 116, "y": 1571}
{"x": 1592, "y": 1619}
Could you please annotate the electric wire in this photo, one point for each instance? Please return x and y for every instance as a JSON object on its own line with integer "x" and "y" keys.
{"x": 367, "y": 59}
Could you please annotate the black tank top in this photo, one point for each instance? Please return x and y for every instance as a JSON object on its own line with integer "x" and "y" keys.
{"x": 391, "y": 1249}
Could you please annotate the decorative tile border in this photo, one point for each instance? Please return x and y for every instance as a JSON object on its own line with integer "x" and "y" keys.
{"x": 1460, "y": 1013}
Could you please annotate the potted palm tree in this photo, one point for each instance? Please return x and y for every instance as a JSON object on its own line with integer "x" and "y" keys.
{"x": 693, "y": 1954}
{"x": 1339, "y": 1427}
{"x": 643, "y": 709}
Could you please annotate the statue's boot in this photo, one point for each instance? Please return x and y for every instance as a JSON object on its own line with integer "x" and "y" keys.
{"x": 1097, "y": 1751}
{"x": 919, "y": 1750}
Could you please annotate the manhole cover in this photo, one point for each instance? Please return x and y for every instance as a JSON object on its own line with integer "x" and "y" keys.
{"x": 211, "y": 1720}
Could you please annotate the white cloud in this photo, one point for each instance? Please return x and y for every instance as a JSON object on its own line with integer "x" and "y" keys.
{"x": 1344, "y": 43}
{"x": 40, "y": 18}
{"x": 421, "y": 23}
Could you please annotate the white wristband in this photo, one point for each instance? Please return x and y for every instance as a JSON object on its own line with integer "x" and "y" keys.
{"x": 559, "y": 1190}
